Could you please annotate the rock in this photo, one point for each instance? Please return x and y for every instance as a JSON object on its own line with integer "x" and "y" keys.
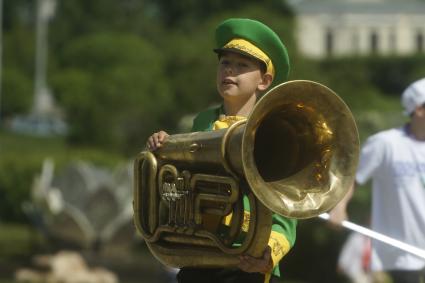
{"x": 65, "y": 267}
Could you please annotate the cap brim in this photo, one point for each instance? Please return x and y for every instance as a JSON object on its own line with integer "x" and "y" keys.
{"x": 219, "y": 51}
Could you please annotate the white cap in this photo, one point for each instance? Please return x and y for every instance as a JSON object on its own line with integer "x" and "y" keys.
{"x": 413, "y": 96}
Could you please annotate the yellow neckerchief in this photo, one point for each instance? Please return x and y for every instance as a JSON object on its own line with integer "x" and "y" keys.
{"x": 278, "y": 242}
{"x": 224, "y": 121}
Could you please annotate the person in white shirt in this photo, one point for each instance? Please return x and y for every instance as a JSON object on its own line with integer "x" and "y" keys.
{"x": 395, "y": 162}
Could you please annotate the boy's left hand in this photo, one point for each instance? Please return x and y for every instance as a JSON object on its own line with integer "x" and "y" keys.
{"x": 251, "y": 264}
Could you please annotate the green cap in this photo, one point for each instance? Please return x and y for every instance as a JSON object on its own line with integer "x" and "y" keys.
{"x": 261, "y": 36}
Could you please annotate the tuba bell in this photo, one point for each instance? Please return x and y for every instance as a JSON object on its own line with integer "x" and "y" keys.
{"x": 295, "y": 155}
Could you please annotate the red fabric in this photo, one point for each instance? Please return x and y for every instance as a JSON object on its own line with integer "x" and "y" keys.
{"x": 366, "y": 255}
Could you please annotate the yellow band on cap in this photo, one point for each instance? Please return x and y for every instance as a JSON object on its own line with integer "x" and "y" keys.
{"x": 251, "y": 49}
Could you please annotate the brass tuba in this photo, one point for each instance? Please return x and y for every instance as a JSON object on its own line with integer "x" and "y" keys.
{"x": 295, "y": 155}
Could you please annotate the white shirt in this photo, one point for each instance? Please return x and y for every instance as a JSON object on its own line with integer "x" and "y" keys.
{"x": 396, "y": 163}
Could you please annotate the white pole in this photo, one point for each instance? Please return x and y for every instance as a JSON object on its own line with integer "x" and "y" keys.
{"x": 40, "y": 57}
{"x": 42, "y": 99}
{"x": 380, "y": 237}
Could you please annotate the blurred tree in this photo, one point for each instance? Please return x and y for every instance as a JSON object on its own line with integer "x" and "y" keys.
{"x": 18, "y": 64}
{"x": 394, "y": 73}
{"x": 19, "y": 50}
{"x": 18, "y": 13}
{"x": 364, "y": 81}
{"x": 187, "y": 14}
{"x": 16, "y": 175}
{"x": 112, "y": 86}
{"x": 17, "y": 92}
{"x": 190, "y": 69}
{"x": 80, "y": 17}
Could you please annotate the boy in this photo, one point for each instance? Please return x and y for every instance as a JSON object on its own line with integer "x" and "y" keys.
{"x": 251, "y": 60}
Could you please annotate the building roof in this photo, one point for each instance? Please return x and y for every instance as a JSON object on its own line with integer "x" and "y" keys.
{"x": 358, "y": 7}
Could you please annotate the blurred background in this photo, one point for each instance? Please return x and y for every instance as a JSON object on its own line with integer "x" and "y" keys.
{"x": 84, "y": 83}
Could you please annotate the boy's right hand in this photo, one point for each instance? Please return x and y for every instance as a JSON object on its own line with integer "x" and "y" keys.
{"x": 156, "y": 140}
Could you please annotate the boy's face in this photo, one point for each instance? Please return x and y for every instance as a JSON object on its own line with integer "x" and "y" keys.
{"x": 239, "y": 77}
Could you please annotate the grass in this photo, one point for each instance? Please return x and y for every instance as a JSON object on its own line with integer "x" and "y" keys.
{"x": 16, "y": 240}
{"x": 17, "y": 243}
{"x": 13, "y": 142}
{"x": 13, "y": 146}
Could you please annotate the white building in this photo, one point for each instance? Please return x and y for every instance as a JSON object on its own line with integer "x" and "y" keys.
{"x": 359, "y": 27}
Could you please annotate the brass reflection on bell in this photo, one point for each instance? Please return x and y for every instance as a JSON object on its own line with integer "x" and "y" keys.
{"x": 295, "y": 155}
{"x": 308, "y": 167}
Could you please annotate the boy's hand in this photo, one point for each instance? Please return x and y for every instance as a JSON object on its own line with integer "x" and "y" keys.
{"x": 263, "y": 264}
{"x": 156, "y": 140}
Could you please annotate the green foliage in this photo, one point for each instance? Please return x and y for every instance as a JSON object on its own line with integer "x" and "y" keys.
{"x": 80, "y": 17}
{"x": 16, "y": 240}
{"x": 17, "y": 74}
{"x": 16, "y": 93}
{"x": 190, "y": 69}
{"x": 17, "y": 13}
{"x": 108, "y": 84}
{"x": 389, "y": 75}
{"x": 188, "y": 13}
{"x": 392, "y": 74}
{"x": 15, "y": 180}
{"x": 19, "y": 50}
